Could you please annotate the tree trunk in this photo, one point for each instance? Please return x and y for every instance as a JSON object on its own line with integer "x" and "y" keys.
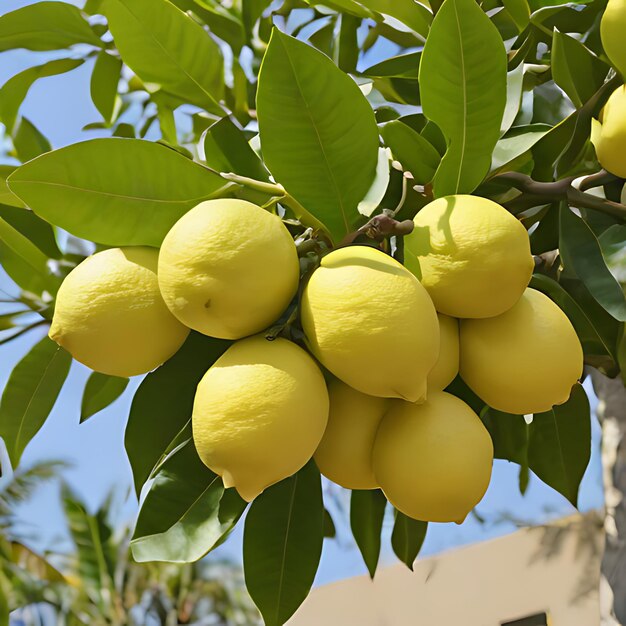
{"x": 612, "y": 414}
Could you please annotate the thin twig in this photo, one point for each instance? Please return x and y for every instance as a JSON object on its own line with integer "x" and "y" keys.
{"x": 24, "y": 330}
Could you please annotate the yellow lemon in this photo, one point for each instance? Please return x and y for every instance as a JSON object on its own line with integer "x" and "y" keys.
{"x": 345, "y": 452}
{"x": 259, "y": 413}
{"x": 612, "y": 29}
{"x": 610, "y": 137}
{"x": 110, "y": 315}
{"x": 433, "y": 460}
{"x": 471, "y": 254}
{"x": 525, "y": 360}
{"x": 370, "y": 322}
{"x": 228, "y": 268}
{"x": 447, "y": 366}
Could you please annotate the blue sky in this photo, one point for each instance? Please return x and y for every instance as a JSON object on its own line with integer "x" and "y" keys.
{"x": 95, "y": 448}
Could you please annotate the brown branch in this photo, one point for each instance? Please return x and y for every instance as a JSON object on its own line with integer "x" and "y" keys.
{"x": 599, "y": 179}
{"x": 536, "y": 193}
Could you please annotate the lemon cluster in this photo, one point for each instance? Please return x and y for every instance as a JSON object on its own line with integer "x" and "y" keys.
{"x": 389, "y": 337}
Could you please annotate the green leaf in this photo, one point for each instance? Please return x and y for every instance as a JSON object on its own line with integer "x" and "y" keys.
{"x": 575, "y": 69}
{"x": 517, "y": 141}
{"x": 13, "y": 92}
{"x": 509, "y": 434}
{"x": 117, "y": 192}
{"x": 604, "y": 322}
{"x": 408, "y": 12}
{"x": 224, "y": 23}
{"x": 348, "y": 46}
{"x": 30, "y": 394}
{"x": 407, "y": 538}
{"x": 186, "y": 513}
{"x": 163, "y": 403}
{"x": 6, "y": 196}
{"x": 378, "y": 189}
{"x": 581, "y": 254}
{"x": 402, "y": 66}
{"x": 93, "y": 7}
{"x": 590, "y": 331}
{"x": 349, "y": 6}
{"x": 39, "y": 232}
{"x": 560, "y": 444}
{"x": 318, "y": 132}
{"x": 45, "y": 26}
{"x": 329, "y": 525}
{"x": 227, "y": 150}
{"x": 28, "y": 141}
{"x": 519, "y": 12}
{"x": 613, "y": 244}
{"x": 463, "y": 90}
{"x": 282, "y": 544}
{"x": 24, "y": 262}
{"x": 164, "y": 46}
{"x": 100, "y": 391}
{"x": 568, "y": 17}
{"x": 251, "y": 11}
{"x": 367, "y": 511}
{"x": 104, "y": 82}
{"x": 415, "y": 153}
{"x": 514, "y": 90}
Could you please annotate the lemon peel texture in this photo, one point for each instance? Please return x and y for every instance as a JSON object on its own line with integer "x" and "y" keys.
{"x": 345, "y": 452}
{"x": 110, "y": 315}
{"x": 609, "y": 137}
{"x": 259, "y": 413}
{"x": 525, "y": 360}
{"x": 433, "y": 460}
{"x": 370, "y": 322}
{"x": 471, "y": 254}
{"x": 228, "y": 268}
{"x": 447, "y": 366}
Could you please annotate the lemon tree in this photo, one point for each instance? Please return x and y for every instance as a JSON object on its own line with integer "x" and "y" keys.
{"x": 368, "y": 244}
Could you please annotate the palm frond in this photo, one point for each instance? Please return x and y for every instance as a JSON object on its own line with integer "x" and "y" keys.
{"x": 19, "y": 487}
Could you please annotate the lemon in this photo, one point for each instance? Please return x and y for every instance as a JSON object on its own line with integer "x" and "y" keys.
{"x": 525, "y": 360}
{"x": 610, "y": 137}
{"x": 228, "y": 268}
{"x": 471, "y": 254}
{"x": 259, "y": 413}
{"x": 110, "y": 315}
{"x": 433, "y": 460}
{"x": 447, "y": 366}
{"x": 370, "y": 322}
{"x": 612, "y": 29}
{"x": 345, "y": 452}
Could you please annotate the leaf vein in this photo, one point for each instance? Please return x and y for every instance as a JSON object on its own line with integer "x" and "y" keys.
{"x": 319, "y": 139}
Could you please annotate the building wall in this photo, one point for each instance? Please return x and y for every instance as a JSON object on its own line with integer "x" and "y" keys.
{"x": 552, "y": 569}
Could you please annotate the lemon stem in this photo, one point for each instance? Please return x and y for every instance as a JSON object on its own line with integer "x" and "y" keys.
{"x": 276, "y": 190}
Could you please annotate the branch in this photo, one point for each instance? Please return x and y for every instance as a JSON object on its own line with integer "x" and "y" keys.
{"x": 536, "y": 193}
{"x": 598, "y": 180}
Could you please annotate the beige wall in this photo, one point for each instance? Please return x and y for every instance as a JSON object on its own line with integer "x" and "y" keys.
{"x": 550, "y": 568}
